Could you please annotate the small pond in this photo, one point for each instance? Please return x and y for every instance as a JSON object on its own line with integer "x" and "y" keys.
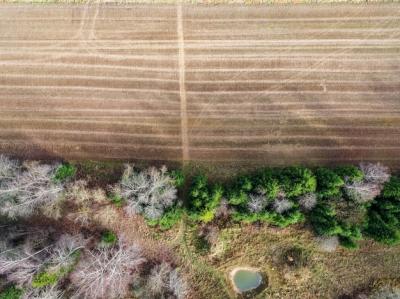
{"x": 246, "y": 279}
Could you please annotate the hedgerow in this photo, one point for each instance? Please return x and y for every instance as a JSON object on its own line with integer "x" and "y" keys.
{"x": 346, "y": 202}
{"x": 335, "y": 202}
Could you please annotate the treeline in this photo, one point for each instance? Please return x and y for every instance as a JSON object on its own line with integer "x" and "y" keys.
{"x": 346, "y": 202}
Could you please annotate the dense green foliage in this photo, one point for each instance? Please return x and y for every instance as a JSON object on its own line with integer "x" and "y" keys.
{"x": 204, "y": 199}
{"x": 253, "y": 196}
{"x": 392, "y": 188}
{"x": 268, "y": 181}
{"x": 65, "y": 172}
{"x": 11, "y": 292}
{"x": 383, "y": 224}
{"x": 325, "y": 223}
{"x": 349, "y": 173}
{"x": 178, "y": 177}
{"x": 273, "y": 196}
{"x": 169, "y": 219}
{"x": 296, "y": 181}
{"x": 329, "y": 183}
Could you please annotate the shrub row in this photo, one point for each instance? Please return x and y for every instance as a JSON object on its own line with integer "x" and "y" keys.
{"x": 347, "y": 202}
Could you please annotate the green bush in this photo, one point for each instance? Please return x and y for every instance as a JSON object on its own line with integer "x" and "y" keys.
{"x": 348, "y": 243}
{"x": 45, "y": 279}
{"x": 238, "y": 192}
{"x": 290, "y": 217}
{"x": 350, "y": 233}
{"x": 349, "y": 173}
{"x": 178, "y": 177}
{"x": 383, "y": 224}
{"x": 11, "y": 292}
{"x": 117, "y": 200}
{"x": 50, "y": 276}
{"x": 269, "y": 183}
{"x": 323, "y": 220}
{"x": 204, "y": 199}
{"x": 392, "y": 188}
{"x": 169, "y": 219}
{"x": 328, "y": 182}
{"x": 109, "y": 238}
{"x": 325, "y": 223}
{"x": 65, "y": 172}
{"x": 297, "y": 181}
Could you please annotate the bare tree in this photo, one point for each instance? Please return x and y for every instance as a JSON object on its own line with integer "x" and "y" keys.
{"x": 158, "y": 280}
{"x": 148, "y": 192}
{"x": 386, "y": 293}
{"x": 163, "y": 282}
{"x": 375, "y": 173}
{"x": 308, "y": 201}
{"x": 223, "y": 211}
{"x": 178, "y": 285}
{"x": 34, "y": 252}
{"x": 64, "y": 250}
{"x": 46, "y": 293}
{"x": 29, "y": 191}
{"x": 209, "y": 233}
{"x": 362, "y": 192}
{"x": 83, "y": 198}
{"x": 281, "y": 204}
{"x": 20, "y": 262}
{"x": 256, "y": 203}
{"x": 107, "y": 272}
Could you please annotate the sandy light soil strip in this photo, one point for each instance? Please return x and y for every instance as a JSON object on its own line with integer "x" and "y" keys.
{"x": 182, "y": 88}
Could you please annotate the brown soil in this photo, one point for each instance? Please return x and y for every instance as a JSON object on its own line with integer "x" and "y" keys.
{"x": 312, "y": 84}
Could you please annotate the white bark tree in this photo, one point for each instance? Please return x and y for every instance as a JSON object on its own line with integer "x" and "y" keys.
{"x": 19, "y": 263}
{"x": 35, "y": 253}
{"x": 107, "y": 272}
{"x": 362, "y": 192}
{"x": 375, "y": 176}
{"x": 375, "y": 173}
{"x": 281, "y": 204}
{"x": 29, "y": 190}
{"x": 163, "y": 282}
{"x": 256, "y": 203}
{"x": 149, "y": 192}
{"x": 308, "y": 201}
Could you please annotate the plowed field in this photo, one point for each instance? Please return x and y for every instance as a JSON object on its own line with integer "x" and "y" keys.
{"x": 251, "y": 84}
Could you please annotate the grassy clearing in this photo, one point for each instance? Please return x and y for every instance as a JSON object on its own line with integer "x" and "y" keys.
{"x": 324, "y": 275}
